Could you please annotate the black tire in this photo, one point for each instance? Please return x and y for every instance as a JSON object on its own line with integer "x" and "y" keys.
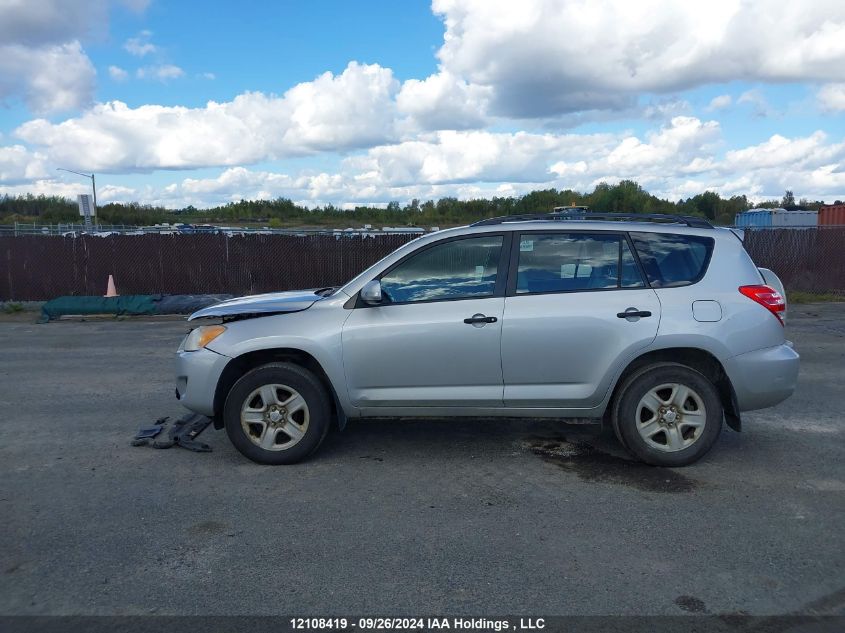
{"x": 296, "y": 377}
{"x": 636, "y": 386}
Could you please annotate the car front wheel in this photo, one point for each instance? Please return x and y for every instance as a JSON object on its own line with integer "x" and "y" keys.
{"x": 277, "y": 413}
{"x": 668, "y": 414}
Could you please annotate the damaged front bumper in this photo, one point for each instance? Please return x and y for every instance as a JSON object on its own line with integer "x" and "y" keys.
{"x": 197, "y": 375}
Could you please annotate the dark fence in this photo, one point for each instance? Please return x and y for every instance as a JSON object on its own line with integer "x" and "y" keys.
{"x": 808, "y": 260}
{"x": 39, "y": 268}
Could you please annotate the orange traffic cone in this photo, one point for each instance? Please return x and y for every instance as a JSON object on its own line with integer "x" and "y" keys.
{"x": 110, "y": 289}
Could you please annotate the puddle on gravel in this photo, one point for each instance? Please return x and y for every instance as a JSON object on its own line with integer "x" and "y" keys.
{"x": 691, "y": 604}
{"x": 594, "y": 465}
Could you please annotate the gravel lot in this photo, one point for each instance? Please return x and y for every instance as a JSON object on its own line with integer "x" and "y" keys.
{"x": 432, "y": 517}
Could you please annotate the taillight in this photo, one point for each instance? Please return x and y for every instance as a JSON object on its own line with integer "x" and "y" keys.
{"x": 767, "y": 297}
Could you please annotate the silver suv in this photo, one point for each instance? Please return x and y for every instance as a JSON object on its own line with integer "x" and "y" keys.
{"x": 660, "y": 326}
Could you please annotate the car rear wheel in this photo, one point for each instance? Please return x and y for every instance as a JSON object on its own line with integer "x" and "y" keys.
{"x": 277, "y": 413}
{"x": 668, "y": 414}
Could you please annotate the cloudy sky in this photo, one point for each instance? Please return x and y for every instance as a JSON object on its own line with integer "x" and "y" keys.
{"x": 200, "y": 103}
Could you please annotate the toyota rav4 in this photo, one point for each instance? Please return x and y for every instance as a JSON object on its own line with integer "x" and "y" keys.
{"x": 659, "y": 326}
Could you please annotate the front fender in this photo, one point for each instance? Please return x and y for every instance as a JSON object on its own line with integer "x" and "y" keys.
{"x": 316, "y": 332}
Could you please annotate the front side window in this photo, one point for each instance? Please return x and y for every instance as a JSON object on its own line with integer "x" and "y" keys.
{"x": 457, "y": 269}
{"x": 671, "y": 260}
{"x": 568, "y": 262}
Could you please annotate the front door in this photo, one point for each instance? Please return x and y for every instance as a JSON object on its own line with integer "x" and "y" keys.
{"x": 435, "y": 339}
{"x": 565, "y": 328}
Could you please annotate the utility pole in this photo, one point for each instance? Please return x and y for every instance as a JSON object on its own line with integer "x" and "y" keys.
{"x": 93, "y": 188}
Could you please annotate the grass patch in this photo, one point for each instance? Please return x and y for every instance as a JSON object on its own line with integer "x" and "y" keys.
{"x": 12, "y": 307}
{"x": 798, "y": 296}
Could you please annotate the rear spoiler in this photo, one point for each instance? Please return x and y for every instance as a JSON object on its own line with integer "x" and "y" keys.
{"x": 740, "y": 233}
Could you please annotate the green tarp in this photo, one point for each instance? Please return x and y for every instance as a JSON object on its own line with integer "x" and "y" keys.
{"x": 124, "y": 304}
{"x": 128, "y": 304}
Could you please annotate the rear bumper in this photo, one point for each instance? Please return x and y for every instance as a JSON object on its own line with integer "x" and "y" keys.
{"x": 197, "y": 374}
{"x": 764, "y": 377}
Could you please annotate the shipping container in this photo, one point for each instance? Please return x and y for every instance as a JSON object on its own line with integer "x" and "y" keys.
{"x": 776, "y": 218}
{"x": 832, "y": 215}
{"x": 755, "y": 218}
{"x": 794, "y": 219}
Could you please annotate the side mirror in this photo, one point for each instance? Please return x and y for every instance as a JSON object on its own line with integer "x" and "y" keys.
{"x": 371, "y": 292}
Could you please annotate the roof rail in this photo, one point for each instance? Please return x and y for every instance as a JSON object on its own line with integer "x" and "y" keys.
{"x": 699, "y": 223}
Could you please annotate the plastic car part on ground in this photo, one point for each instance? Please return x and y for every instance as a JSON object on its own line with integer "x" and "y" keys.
{"x": 183, "y": 432}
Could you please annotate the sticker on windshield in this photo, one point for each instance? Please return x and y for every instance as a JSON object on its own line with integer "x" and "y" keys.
{"x": 526, "y": 246}
{"x": 479, "y": 273}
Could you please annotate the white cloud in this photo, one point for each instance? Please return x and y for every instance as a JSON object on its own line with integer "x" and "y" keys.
{"x": 310, "y": 189}
{"x": 719, "y": 103}
{"x": 41, "y": 58}
{"x": 461, "y": 157}
{"x": 332, "y": 113}
{"x": 683, "y": 147}
{"x": 546, "y": 57}
{"x": 18, "y": 164}
{"x": 353, "y": 109}
{"x": 117, "y": 73}
{"x": 209, "y": 76}
{"x": 140, "y": 45}
{"x": 800, "y": 154}
{"x": 71, "y": 188}
{"x": 754, "y": 98}
{"x": 471, "y": 163}
{"x": 679, "y": 159}
{"x": 163, "y": 72}
{"x": 544, "y": 65}
{"x": 831, "y": 97}
{"x": 810, "y": 166}
{"x": 114, "y": 137}
{"x": 443, "y": 102}
{"x": 50, "y": 78}
{"x": 37, "y": 23}
{"x": 233, "y": 181}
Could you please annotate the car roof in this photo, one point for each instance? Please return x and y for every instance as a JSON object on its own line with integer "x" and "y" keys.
{"x": 560, "y": 224}
{"x": 581, "y": 213}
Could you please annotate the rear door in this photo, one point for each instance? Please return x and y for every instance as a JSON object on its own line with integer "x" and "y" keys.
{"x": 565, "y": 326}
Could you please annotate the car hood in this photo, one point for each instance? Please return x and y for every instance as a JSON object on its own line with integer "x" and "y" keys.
{"x": 260, "y": 305}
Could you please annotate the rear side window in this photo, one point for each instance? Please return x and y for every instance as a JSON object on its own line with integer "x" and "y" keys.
{"x": 570, "y": 262}
{"x": 672, "y": 260}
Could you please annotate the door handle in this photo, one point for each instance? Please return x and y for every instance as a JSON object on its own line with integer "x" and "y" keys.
{"x": 480, "y": 318}
{"x": 633, "y": 312}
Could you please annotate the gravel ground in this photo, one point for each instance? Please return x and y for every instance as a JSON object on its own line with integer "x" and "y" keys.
{"x": 396, "y": 517}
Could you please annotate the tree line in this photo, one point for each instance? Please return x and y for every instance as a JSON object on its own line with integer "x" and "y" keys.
{"x": 625, "y": 197}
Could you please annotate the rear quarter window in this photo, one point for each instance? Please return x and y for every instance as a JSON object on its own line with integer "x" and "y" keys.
{"x": 672, "y": 260}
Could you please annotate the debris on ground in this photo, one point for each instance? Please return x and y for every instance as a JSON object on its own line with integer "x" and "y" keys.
{"x": 183, "y": 432}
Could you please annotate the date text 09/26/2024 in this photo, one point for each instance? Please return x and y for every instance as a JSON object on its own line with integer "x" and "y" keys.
{"x": 416, "y": 624}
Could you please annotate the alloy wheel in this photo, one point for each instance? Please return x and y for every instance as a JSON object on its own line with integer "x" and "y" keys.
{"x": 671, "y": 417}
{"x": 275, "y": 417}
